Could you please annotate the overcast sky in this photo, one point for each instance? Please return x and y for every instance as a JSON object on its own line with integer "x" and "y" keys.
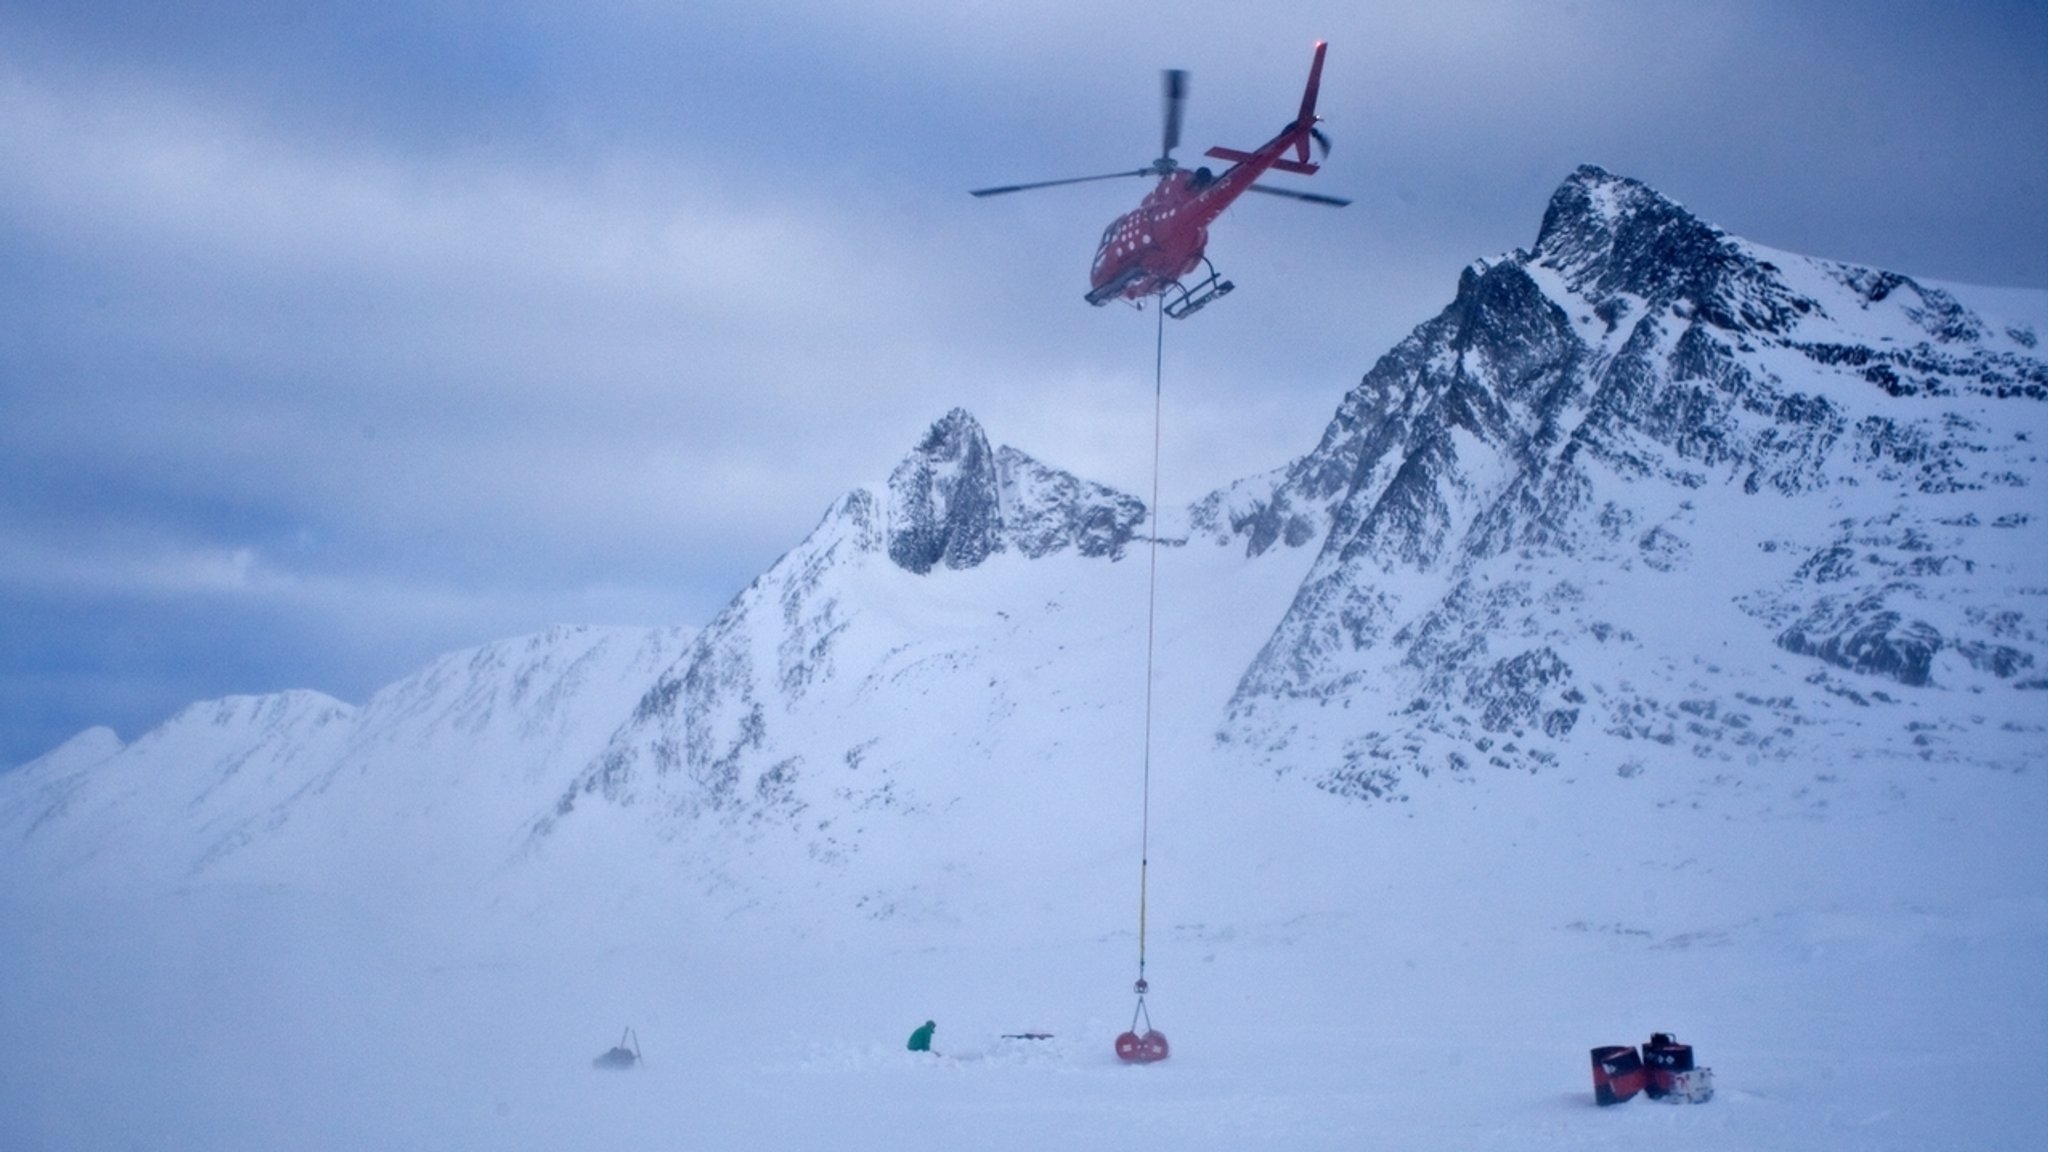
{"x": 338, "y": 335}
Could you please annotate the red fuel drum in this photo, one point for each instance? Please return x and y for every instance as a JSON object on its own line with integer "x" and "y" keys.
{"x": 1617, "y": 1074}
{"x": 1132, "y": 1048}
{"x": 1663, "y": 1059}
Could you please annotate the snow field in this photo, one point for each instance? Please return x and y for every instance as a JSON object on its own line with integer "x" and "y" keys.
{"x": 1868, "y": 982}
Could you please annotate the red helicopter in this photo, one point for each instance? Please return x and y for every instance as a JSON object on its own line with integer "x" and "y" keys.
{"x": 1145, "y": 252}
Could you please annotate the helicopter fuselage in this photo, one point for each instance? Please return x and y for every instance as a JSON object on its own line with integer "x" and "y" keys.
{"x": 1146, "y": 251}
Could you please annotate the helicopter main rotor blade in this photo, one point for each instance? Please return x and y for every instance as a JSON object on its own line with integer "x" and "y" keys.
{"x": 1310, "y": 197}
{"x": 1173, "y": 85}
{"x": 1056, "y": 183}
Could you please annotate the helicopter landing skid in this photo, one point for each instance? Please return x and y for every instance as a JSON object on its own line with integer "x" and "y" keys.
{"x": 1192, "y": 300}
{"x": 1114, "y": 288}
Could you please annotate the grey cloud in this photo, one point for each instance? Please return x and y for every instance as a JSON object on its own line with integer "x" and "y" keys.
{"x": 345, "y": 333}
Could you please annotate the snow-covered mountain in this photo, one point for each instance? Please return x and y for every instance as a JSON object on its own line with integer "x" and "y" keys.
{"x": 429, "y": 780}
{"x": 1654, "y": 481}
{"x": 1646, "y": 491}
{"x": 1830, "y": 474}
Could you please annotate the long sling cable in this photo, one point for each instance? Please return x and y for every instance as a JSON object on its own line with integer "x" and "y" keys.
{"x": 1151, "y": 615}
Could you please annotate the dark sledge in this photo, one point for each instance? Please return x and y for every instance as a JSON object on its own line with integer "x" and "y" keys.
{"x": 622, "y": 1056}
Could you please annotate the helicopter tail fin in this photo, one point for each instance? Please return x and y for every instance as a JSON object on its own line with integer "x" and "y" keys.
{"x": 1295, "y": 137}
{"x": 1305, "y": 122}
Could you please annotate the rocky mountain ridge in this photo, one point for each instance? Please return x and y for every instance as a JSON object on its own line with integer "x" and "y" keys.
{"x": 1573, "y": 411}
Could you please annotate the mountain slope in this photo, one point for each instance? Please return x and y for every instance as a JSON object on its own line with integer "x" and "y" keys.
{"x": 1832, "y": 469}
{"x": 429, "y": 781}
{"x": 959, "y": 647}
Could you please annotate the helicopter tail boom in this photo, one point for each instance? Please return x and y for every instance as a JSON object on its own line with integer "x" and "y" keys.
{"x": 1295, "y": 137}
{"x": 1283, "y": 165}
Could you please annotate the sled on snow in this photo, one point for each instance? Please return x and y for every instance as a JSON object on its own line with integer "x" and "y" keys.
{"x": 625, "y": 1054}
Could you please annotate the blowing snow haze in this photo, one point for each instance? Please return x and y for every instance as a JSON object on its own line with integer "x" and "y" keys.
{"x": 1653, "y": 639}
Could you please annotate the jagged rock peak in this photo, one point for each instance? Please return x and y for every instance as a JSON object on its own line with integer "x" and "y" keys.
{"x": 944, "y": 498}
{"x": 953, "y": 436}
{"x": 1593, "y": 201}
{"x": 1611, "y": 236}
{"x": 954, "y": 502}
{"x": 1597, "y": 220}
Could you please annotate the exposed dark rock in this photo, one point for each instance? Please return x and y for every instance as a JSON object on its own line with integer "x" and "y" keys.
{"x": 953, "y": 503}
{"x": 1511, "y": 694}
{"x": 944, "y": 506}
{"x": 1863, "y": 635}
{"x": 1045, "y": 510}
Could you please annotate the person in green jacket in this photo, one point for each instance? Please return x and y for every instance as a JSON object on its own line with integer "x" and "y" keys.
{"x": 921, "y": 1040}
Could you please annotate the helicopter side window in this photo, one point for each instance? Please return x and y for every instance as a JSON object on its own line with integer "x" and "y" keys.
{"x": 1201, "y": 179}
